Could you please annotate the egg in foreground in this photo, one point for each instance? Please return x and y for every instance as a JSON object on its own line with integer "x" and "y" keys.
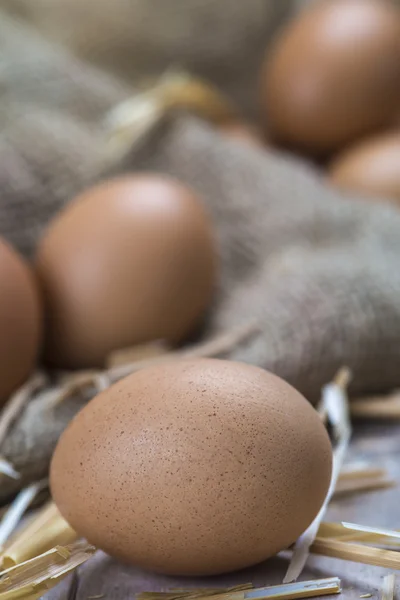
{"x": 20, "y": 320}
{"x": 193, "y": 467}
{"x": 130, "y": 261}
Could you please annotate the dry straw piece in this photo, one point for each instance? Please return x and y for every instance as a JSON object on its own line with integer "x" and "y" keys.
{"x": 147, "y": 351}
{"x": 351, "y": 472}
{"x": 17, "y": 510}
{"x": 32, "y": 578}
{"x": 367, "y": 555}
{"x": 7, "y": 470}
{"x": 176, "y": 594}
{"x": 358, "y": 484}
{"x": 377, "y": 407}
{"x": 288, "y": 591}
{"x": 42, "y": 532}
{"x": 389, "y": 582}
{"x": 362, "y": 479}
{"x": 390, "y": 533}
{"x": 333, "y": 408}
{"x": 347, "y": 534}
{"x": 133, "y": 119}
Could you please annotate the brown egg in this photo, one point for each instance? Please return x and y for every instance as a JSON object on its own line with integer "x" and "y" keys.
{"x": 371, "y": 167}
{"x": 241, "y": 131}
{"x": 20, "y": 321}
{"x": 129, "y": 261}
{"x": 333, "y": 75}
{"x": 193, "y": 467}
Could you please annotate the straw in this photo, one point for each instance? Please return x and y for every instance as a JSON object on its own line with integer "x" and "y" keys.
{"x": 133, "y": 119}
{"x": 334, "y": 405}
{"x": 389, "y": 582}
{"x": 291, "y": 591}
{"x": 7, "y": 469}
{"x": 17, "y": 509}
{"x": 45, "y": 530}
{"x": 356, "y": 553}
{"x": 377, "y": 407}
{"x": 32, "y": 578}
{"x": 375, "y": 530}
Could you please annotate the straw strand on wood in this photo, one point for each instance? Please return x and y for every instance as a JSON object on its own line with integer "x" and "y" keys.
{"x": 389, "y": 582}
{"x": 334, "y": 405}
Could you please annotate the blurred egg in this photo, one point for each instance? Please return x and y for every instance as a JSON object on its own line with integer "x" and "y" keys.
{"x": 333, "y": 75}
{"x": 129, "y": 261}
{"x": 193, "y": 467}
{"x": 20, "y": 321}
{"x": 241, "y": 131}
{"x": 371, "y": 167}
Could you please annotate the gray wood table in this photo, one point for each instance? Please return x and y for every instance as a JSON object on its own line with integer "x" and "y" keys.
{"x": 379, "y": 444}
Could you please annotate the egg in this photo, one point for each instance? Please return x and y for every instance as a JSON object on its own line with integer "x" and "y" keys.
{"x": 129, "y": 261}
{"x": 193, "y": 467}
{"x": 333, "y": 75}
{"x": 20, "y": 320}
{"x": 372, "y": 167}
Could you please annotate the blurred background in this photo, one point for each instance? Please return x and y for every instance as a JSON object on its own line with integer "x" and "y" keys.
{"x": 222, "y": 40}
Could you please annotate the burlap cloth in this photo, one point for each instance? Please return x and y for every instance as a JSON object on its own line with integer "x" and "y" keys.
{"x": 320, "y": 272}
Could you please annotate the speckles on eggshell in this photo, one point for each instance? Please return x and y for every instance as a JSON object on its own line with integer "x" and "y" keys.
{"x": 218, "y": 465}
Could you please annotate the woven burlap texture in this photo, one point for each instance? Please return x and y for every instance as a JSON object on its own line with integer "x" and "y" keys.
{"x": 317, "y": 270}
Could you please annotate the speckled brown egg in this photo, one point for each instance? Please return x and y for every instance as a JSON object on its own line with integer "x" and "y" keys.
{"x": 129, "y": 261}
{"x": 333, "y": 75}
{"x": 20, "y": 320}
{"x": 193, "y": 467}
{"x": 370, "y": 168}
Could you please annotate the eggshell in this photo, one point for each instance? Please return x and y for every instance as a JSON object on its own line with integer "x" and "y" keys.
{"x": 20, "y": 320}
{"x": 371, "y": 167}
{"x": 193, "y": 467}
{"x": 129, "y": 261}
{"x": 333, "y": 75}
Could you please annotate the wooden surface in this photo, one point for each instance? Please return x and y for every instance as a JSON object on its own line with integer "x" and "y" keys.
{"x": 378, "y": 444}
